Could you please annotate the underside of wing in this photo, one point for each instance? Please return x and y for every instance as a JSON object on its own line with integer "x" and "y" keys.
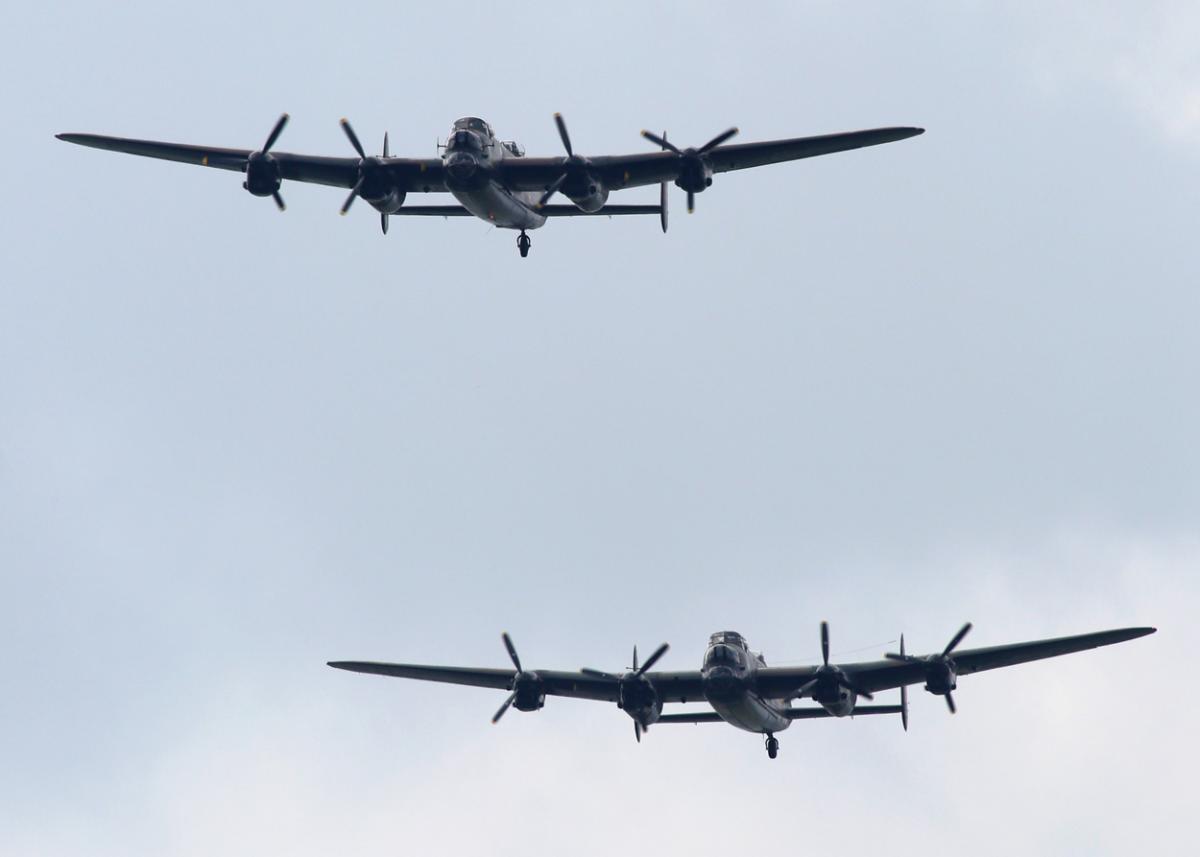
{"x": 647, "y": 168}
{"x": 496, "y": 678}
{"x": 740, "y": 156}
{"x": 778, "y": 682}
{"x": 405, "y": 174}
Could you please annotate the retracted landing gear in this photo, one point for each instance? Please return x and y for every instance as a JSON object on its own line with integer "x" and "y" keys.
{"x": 772, "y": 746}
{"x": 523, "y": 244}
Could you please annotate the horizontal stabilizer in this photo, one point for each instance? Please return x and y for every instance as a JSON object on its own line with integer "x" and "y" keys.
{"x": 692, "y": 717}
{"x": 546, "y": 211}
{"x": 606, "y": 211}
{"x": 790, "y": 714}
{"x": 806, "y": 713}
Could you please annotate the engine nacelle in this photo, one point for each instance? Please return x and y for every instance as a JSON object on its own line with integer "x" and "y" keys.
{"x": 695, "y": 175}
{"x": 594, "y": 196}
{"x": 530, "y": 693}
{"x": 389, "y": 203}
{"x": 941, "y": 677}
{"x": 263, "y": 176}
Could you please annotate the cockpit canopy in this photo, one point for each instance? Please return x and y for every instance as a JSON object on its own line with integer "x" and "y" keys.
{"x": 470, "y": 123}
{"x": 733, "y": 638}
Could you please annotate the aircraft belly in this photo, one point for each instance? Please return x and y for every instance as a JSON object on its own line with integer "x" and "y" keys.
{"x": 751, "y": 713}
{"x": 496, "y": 205}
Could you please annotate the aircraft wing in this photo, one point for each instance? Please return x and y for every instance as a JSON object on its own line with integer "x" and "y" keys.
{"x": 646, "y": 168}
{"x": 671, "y": 686}
{"x": 408, "y": 174}
{"x": 874, "y": 676}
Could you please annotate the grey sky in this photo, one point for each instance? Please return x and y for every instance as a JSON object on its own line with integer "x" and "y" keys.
{"x": 950, "y": 378}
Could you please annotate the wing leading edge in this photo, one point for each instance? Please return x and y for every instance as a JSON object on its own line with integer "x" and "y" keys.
{"x": 671, "y": 686}
{"x": 408, "y": 174}
{"x": 886, "y": 674}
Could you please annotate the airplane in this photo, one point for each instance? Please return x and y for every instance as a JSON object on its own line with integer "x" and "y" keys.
{"x": 741, "y": 689}
{"x": 492, "y": 179}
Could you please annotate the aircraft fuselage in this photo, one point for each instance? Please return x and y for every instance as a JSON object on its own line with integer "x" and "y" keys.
{"x": 470, "y": 155}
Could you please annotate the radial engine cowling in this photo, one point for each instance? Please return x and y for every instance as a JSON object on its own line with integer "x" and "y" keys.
{"x": 591, "y": 196}
{"x": 529, "y": 694}
{"x": 263, "y": 176}
{"x": 695, "y": 174}
{"x": 389, "y": 203}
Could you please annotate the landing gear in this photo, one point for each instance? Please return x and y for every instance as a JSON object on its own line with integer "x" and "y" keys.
{"x": 523, "y": 244}
{"x": 772, "y": 746}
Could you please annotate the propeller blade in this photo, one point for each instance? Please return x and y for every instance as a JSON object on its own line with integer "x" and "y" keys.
{"x": 278, "y": 201}
{"x": 512, "y": 651}
{"x": 652, "y": 660}
{"x": 504, "y": 707}
{"x": 824, "y": 625}
{"x": 383, "y": 221}
{"x": 806, "y": 687}
{"x": 637, "y": 730}
{"x": 353, "y": 193}
{"x": 691, "y": 201}
{"x": 275, "y": 132}
{"x": 553, "y": 189}
{"x": 353, "y": 138}
{"x": 904, "y": 706}
{"x": 661, "y": 142}
{"x": 599, "y": 674}
{"x": 849, "y": 685}
{"x": 716, "y": 141}
{"x": 634, "y": 662}
{"x": 385, "y": 144}
{"x": 958, "y": 638}
{"x": 950, "y": 703}
{"x": 562, "y": 134}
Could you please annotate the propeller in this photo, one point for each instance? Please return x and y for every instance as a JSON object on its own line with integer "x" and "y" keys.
{"x": 368, "y": 170}
{"x": 635, "y": 670}
{"x": 574, "y": 165}
{"x": 830, "y": 675}
{"x": 630, "y": 682}
{"x": 695, "y": 173}
{"x": 939, "y": 669}
{"x": 262, "y": 170}
{"x": 520, "y": 678}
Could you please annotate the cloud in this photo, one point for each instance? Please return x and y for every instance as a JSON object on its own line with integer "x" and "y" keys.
{"x": 1144, "y": 55}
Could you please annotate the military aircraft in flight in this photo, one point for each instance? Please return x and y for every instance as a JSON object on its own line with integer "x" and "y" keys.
{"x": 741, "y": 689}
{"x": 492, "y": 179}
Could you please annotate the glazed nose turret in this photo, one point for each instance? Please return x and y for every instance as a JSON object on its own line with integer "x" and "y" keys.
{"x": 462, "y": 166}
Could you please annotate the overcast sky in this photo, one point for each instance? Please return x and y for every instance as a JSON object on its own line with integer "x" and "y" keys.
{"x": 952, "y": 378}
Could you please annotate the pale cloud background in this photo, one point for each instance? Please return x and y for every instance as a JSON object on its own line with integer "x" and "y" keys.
{"x": 947, "y": 379}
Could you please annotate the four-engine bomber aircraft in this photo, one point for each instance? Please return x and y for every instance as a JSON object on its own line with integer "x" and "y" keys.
{"x": 492, "y": 179}
{"x": 742, "y": 690}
